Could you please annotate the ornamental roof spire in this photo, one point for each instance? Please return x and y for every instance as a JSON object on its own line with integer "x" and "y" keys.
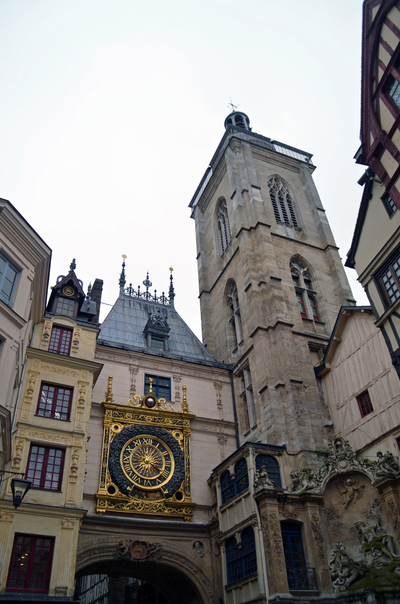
{"x": 122, "y": 278}
{"x": 171, "y": 288}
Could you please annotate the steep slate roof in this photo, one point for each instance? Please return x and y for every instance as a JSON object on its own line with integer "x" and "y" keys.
{"x": 125, "y": 323}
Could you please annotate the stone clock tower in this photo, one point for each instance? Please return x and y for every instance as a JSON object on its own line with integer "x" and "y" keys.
{"x": 271, "y": 283}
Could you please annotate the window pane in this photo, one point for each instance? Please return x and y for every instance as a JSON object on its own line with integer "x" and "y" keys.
{"x": 60, "y": 340}
{"x": 65, "y": 306}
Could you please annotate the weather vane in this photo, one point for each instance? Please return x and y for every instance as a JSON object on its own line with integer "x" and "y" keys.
{"x": 232, "y": 105}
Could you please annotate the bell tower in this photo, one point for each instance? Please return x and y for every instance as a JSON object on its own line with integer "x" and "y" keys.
{"x": 271, "y": 283}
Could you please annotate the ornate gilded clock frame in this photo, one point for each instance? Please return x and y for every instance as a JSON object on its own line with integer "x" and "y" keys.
{"x": 145, "y": 462}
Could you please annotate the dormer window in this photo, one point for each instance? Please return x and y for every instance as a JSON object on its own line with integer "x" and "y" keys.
{"x": 65, "y": 306}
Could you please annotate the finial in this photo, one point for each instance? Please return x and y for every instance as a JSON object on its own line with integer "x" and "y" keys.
{"x": 232, "y": 106}
{"x": 171, "y": 288}
{"x": 185, "y": 408}
{"x": 72, "y": 266}
{"x": 122, "y": 279}
{"x": 150, "y": 385}
{"x": 89, "y": 290}
{"x": 147, "y": 283}
{"x": 109, "y": 394}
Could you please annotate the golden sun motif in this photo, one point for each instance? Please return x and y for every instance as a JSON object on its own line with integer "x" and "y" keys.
{"x": 147, "y": 461}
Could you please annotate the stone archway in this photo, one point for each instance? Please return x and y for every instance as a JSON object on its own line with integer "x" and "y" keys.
{"x": 178, "y": 579}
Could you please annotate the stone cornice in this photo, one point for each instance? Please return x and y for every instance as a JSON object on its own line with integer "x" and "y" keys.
{"x": 11, "y": 315}
{"x": 65, "y": 361}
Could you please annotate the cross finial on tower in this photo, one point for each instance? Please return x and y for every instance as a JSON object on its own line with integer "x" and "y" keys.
{"x": 232, "y": 105}
{"x": 72, "y": 266}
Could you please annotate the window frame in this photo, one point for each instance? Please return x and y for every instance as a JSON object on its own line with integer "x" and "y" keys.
{"x": 64, "y": 314}
{"x": 247, "y": 397}
{"x": 306, "y": 296}
{"x": 381, "y": 273}
{"x": 294, "y": 555}
{"x": 241, "y": 562}
{"x": 394, "y": 95}
{"x": 30, "y": 565}
{"x": 230, "y": 487}
{"x": 156, "y": 385}
{"x": 57, "y": 388}
{"x": 282, "y": 202}
{"x": 389, "y": 204}
{"x": 158, "y": 340}
{"x": 60, "y": 344}
{"x": 30, "y": 471}
{"x": 235, "y": 319}
{"x": 223, "y": 224}
{"x": 364, "y": 402}
{"x": 7, "y": 299}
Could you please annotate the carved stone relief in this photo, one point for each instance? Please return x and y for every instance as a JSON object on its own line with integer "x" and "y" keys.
{"x": 177, "y": 381}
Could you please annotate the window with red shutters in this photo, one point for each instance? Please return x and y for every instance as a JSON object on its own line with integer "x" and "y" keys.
{"x": 54, "y": 402}
{"x": 30, "y": 565}
{"x": 45, "y": 467}
{"x": 60, "y": 340}
{"x": 364, "y": 404}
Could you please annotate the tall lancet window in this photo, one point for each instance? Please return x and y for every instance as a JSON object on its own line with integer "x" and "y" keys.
{"x": 306, "y": 296}
{"x": 282, "y": 202}
{"x": 235, "y": 320}
{"x": 223, "y": 225}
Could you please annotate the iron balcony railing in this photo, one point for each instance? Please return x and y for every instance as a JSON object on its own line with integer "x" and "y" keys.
{"x": 302, "y": 579}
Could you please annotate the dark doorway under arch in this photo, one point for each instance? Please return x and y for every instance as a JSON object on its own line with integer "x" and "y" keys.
{"x": 173, "y": 587}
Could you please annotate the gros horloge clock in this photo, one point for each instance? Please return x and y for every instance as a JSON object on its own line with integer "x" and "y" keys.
{"x": 145, "y": 465}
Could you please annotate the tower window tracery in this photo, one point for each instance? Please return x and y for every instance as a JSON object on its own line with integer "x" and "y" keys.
{"x": 282, "y": 202}
{"x": 306, "y": 296}
{"x": 223, "y": 225}
{"x": 246, "y": 395}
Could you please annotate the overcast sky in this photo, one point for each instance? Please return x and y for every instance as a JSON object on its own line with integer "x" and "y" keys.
{"x": 112, "y": 110}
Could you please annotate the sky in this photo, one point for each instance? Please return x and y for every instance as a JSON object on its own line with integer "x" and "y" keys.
{"x": 112, "y": 110}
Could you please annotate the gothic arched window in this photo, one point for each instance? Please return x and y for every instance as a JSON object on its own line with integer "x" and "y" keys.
{"x": 282, "y": 202}
{"x": 223, "y": 225}
{"x": 306, "y": 296}
{"x": 235, "y": 319}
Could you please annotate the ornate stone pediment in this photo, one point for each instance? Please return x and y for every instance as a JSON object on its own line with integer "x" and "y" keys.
{"x": 342, "y": 459}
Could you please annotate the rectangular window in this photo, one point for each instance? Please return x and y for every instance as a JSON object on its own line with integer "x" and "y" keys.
{"x": 389, "y": 204}
{"x": 8, "y": 279}
{"x": 392, "y": 88}
{"x": 30, "y": 565}
{"x": 364, "y": 404}
{"x": 157, "y": 344}
{"x": 60, "y": 340}
{"x": 54, "y": 402}
{"x": 388, "y": 279}
{"x": 64, "y": 306}
{"x": 161, "y": 386}
{"x": 45, "y": 467}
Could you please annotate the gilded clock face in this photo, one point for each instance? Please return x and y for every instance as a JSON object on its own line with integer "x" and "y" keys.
{"x": 147, "y": 462}
{"x": 146, "y": 458}
{"x": 68, "y": 290}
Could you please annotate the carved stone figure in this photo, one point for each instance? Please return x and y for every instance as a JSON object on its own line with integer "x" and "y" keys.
{"x": 344, "y": 570}
{"x": 376, "y": 542}
{"x": 262, "y": 479}
{"x": 351, "y": 491}
{"x": 138, "y": 551}
{"x": 303, "y": 480}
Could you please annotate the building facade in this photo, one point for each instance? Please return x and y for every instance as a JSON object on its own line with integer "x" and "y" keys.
{"x": 38, "y": 541}
{"x": 166, "y": 470}
{"x": 24, "y": 274}
{"x": 374, "y": 250}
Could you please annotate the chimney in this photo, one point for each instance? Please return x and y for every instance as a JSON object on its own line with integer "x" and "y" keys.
{"x": 95, "y": 295}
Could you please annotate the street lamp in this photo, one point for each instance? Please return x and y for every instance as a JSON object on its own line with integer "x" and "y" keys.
{"x": 19, "y": 486}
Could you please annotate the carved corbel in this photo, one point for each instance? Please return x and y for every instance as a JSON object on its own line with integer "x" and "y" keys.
{"x": 75, "y": 341}
{"x": 44, "y": 344}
